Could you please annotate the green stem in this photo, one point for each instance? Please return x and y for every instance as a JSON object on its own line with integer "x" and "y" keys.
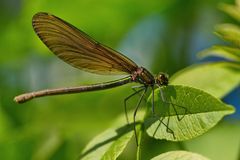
{"x": 140, "y": 133}
{"x": 139, "y": 145}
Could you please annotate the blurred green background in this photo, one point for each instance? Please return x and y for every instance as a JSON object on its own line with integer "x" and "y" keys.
{"x": 159, "y": 35}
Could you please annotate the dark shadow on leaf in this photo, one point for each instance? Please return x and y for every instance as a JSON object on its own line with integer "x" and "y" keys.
{"x": 120, "y": 132}
{"x": 165, "y": 108}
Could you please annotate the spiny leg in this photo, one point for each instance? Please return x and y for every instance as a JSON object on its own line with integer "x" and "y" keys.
{"x": 167, "y": 126}
{"x": 161, "y": 93}
{"x": 168, "y": 116}
{"x": 153, "y": 109}
{"x": 175, "y": 110}
{"x": 127, "y": 98}
{"x": 134, "y": 89}
{"x": 173, "y": 105}
{"x": 145, "y": 98}
{"x": 135, "y": 113}
{"x": 168, "y": 130}
{"x": 160, "y": 122}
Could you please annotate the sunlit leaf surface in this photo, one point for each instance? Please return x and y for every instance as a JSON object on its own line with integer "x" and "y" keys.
{"x": 229, "y": 53}
{"x": 108, "y": 145}
{"x": 185, "y": 113}
{"x": 218, "y": 79}
{"x": 232, "y": 10}
{"x": 229, "y": 33}
{"x": 179, "y": 155}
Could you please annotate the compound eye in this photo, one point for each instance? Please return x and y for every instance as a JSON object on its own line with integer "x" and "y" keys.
{"x": 162, "y": 79}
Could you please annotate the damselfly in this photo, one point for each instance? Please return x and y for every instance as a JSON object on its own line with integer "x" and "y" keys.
{"x": 81, "y": 51}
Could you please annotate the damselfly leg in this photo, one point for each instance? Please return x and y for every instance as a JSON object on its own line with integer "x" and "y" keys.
{"x": 130, "y": 96}
{"x": 135, "y": 112}
{"x": 168, "y": 113}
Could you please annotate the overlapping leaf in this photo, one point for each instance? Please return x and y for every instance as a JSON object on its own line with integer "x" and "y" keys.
{"x": 226, "y": 52}
{"x": 232, "y": 10}
{"x": 109, "y": 144}
{"x": 218, "y": 79}
{"x": 179, "y": 155}
{"x": 229, "y": 33}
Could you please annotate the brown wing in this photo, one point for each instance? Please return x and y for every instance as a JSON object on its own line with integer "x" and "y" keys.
{"x": 78, "y": 49}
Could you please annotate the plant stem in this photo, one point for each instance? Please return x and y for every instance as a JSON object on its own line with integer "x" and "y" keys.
{"x": 140, "y": 136}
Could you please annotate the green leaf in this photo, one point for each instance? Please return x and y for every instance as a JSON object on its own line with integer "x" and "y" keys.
{"x": 111, "y": 143}
{"x": 107, "y": 145}
{"x": 221, "y": 51}
{"x": 229, "y": 33}
{"x": 184, "y": 114}
{"x": 218, "y": 79}
{"x": 179, "y": 155}
{"x": 224, "y": 134}
{"x": 48, "y": 146}
{"x": 231, "y": 10}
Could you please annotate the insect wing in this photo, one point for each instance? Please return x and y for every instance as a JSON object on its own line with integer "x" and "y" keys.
{"x": 78, "y": 49}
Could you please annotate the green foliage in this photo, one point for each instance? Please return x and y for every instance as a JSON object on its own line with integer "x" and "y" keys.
{"x": 187, "y": 112}
{"x": 232, "y": 10}
{"x": 225, "y": 79}
{"x": 184, "y": 112}
{"x": 226, "y": 52}
{"x": 59, "y": 127}
{"x": 109, "y": 144}
{"x": 229, "y": 33}
{"x": 226, "y": 73}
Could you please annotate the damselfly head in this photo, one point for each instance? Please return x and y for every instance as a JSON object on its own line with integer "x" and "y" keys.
{"x": 162, "y": 79}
